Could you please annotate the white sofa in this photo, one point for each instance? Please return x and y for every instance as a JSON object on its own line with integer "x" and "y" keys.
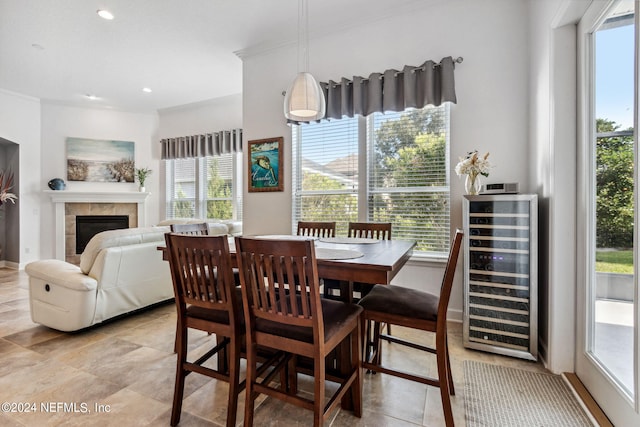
{"x": 216, "y": 226}
{"x": 120, "y": 271}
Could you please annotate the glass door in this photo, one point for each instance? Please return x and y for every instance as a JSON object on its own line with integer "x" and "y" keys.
{"x": 607, "y": 343}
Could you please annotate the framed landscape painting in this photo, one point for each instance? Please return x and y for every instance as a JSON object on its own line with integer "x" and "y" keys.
{"x": 265, "y": 165}
{"x": 97, "y": 160}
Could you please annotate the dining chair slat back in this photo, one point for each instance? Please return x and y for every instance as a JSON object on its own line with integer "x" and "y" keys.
{"x": 370, "y": 230}
{"x": 206, "y": 300}
{"x": 284, "y": 311}
{"x": 316, "y": 228}
{"x": 200, "y": 228}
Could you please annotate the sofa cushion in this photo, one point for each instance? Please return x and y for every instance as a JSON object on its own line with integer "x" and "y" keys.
{"x": 122, "y": 237}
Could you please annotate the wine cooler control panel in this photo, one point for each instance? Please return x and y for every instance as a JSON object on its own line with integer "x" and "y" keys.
{"x": 500, "y": 274}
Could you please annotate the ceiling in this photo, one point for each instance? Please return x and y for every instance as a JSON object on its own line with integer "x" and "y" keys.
{"x": 60, "y": 51}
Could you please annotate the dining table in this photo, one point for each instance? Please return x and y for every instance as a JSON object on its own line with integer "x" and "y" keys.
{"x": 348, "y": 260}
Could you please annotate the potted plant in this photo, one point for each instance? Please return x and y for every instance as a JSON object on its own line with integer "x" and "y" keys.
{"x": 142, "y": 175}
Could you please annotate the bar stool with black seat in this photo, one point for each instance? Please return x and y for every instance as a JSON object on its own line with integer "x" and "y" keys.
{"x": 415, "y": 309}
{"x": 197, "y": 229}
{"x": 370, "y": 230}
{"x": 206, "y": 299}
{"x": 366, "y": 230}
{"x": 316, "y": 228}
{"x": 284, "y": 311}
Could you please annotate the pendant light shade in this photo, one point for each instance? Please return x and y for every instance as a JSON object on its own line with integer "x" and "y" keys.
{"x": 304, "y": 100}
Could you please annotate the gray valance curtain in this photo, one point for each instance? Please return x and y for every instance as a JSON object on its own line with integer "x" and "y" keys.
{"x": 428, "y": 84}
{"x": 210, "y": 144}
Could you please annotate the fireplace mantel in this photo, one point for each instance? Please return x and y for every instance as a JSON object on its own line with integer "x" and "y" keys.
{"x": 60, "y": 197}
{"x": 64, "y": 196}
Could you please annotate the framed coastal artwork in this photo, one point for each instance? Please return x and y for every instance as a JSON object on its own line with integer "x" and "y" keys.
{"x": 265, "y": 165}
{"x": 100, "y": 160}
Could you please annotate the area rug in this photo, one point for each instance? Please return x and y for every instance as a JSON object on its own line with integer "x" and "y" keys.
{"x": 500, "y": 396}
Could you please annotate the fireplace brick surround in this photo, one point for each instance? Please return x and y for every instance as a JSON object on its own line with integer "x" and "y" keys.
{"x": 68, "y": 204}
{"x": 72, "y": 210}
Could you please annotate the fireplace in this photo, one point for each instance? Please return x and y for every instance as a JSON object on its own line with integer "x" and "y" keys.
{"x": 88, "y": 226}
{"x": 69, "y": 204}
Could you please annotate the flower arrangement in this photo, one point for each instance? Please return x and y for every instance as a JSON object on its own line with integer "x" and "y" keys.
{"x": 142, "y": 175}
{"x": 473, "y": 165}
{"x": 6, "y": 184}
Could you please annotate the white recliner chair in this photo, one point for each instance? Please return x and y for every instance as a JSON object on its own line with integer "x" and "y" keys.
{"x": 120, "y": 271}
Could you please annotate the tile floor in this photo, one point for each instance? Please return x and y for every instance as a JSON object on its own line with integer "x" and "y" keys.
{"x": 122, "y": 373}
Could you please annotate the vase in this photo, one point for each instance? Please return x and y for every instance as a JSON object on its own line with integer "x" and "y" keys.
{"x": 472, "y": 184}
{"x": 142, "y": 189}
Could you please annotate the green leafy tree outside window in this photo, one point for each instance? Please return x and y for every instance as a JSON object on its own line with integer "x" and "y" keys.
{"x": 614, "y": 183}
{"x": 408, "y": 149}
{"x": 219, "y": 193}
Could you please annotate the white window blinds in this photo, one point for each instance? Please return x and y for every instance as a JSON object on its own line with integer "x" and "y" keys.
{"x": 403, "y": 177}
{"x": 326, "y": 172}
{"x": 409, "y": 175}
{"x": 206, "y": 187}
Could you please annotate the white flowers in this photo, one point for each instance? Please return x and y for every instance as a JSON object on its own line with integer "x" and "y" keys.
{"x": 473, "y": 165}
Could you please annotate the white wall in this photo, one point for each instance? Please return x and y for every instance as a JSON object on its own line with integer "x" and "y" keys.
{"x": 214, "y": 115}
{"x": 553, "y": 137}
{"x": 20, "y": 124}
{"x": 60, "y": 122}
{"x": 491, "y": 85}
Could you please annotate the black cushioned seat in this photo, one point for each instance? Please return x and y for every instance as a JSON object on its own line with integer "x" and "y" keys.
{"x": 402, "y": 302}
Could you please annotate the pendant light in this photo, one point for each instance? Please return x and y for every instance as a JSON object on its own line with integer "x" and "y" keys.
{"x": 304, "y": 100}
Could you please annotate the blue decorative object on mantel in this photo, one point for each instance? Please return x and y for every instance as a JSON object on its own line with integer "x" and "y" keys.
{"x": 57, "y": 184}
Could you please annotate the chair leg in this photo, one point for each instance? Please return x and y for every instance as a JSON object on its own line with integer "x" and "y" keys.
{"x": 234, "y": 381}
{"x": 452, "y": 389}
{"x": 250, "y": 381}
{"x": 443, "y": 378}
{"x": 175, "y": 344}
{"x": 318, "y": 391}
{"x": 356, "y": 356}
{"x": 178, "y": 392}
{"x": 377, "y": 345}
{"x": 292, "y": 380}
{"x": 364, "y": 338}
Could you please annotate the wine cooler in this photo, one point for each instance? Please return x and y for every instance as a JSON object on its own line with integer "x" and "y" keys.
{"x": 501, "y": 274}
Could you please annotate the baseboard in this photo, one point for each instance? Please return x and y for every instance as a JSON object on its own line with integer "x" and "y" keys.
{"x": 454, "y": 316}
{"x": 589, "y": 404}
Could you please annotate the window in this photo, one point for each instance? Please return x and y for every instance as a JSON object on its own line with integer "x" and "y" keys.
{"x": 403, "y": 177}
{"x": 209, "y": 187}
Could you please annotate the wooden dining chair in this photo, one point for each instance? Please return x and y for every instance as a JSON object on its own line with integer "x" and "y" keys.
{"x": 283, "y": 310}
{"x": 316, "y": 228}
{"x": 370, "y": 230}
{"x": 206, "y": 299}
{"x": 367, "y": 230}
{"x": 195, "y": 229}
{"x": 201, "y": 229}
{"x": 417, "y": 310}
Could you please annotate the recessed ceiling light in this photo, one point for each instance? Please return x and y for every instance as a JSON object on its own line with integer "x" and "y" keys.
{"x": 147, "y": 89}
{"x": 105, "y": 14}
{"x": 92, "y": 97}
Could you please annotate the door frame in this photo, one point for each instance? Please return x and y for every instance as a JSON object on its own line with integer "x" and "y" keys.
{"x": 618, "y": 406}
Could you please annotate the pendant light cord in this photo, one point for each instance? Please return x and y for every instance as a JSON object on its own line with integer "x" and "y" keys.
{"x": 303, "y": 36}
